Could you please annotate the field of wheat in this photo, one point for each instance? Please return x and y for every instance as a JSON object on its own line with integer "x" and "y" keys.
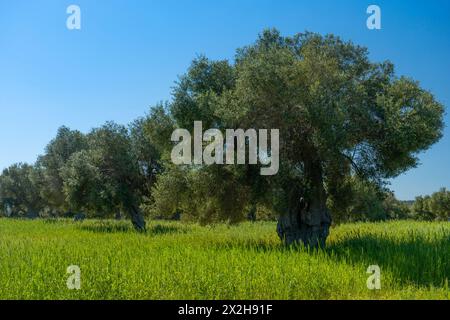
{"x": 187, "y": 261}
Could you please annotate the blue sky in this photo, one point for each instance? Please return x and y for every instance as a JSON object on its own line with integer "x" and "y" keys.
{"x": 128, "y": 54}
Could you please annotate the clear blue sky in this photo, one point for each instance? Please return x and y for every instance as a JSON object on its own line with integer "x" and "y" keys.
{"x": 128, "y": 54}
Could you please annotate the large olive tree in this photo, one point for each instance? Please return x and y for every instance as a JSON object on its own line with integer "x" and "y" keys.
{"x": 339, "y": 114}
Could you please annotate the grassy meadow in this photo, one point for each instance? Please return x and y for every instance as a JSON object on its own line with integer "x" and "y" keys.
{"x": 188, "y": 261}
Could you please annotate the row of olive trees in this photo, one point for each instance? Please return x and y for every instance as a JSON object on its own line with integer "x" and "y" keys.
{"x": 108, "y": 171}
{"x": 340, "y": 117}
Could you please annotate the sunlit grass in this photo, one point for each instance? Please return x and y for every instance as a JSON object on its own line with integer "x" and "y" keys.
{"x": 179, "y": 261}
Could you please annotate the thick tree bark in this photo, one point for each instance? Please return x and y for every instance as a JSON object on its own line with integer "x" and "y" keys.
{"x": 137, "y": 219}
{"x": 308, "y": 220}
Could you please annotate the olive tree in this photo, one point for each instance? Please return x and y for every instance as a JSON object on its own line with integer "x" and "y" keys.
{"x": 108, "y": 176}
{"x": 18, "y": 191}
{"x": 339, "y": 114}
{"x": 49, "y": 165}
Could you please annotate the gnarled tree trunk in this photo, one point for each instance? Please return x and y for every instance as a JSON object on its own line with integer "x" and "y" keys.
{"x": 308, "y": 220}
{"x": 137, "y": 219}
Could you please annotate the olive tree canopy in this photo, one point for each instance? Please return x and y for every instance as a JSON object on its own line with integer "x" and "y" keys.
{"x": 110, "y": 176}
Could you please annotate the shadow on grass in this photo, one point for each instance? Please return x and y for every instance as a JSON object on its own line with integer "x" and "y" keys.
{"x": 248, "y": 244}
{"x": 420, "y": 261}
{"x": 160, "y": 229}
{"x": 104, "y": 227}
{"x": 125, "y": 227}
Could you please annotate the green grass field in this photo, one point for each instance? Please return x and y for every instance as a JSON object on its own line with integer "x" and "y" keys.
{"x": 179, "y": 261}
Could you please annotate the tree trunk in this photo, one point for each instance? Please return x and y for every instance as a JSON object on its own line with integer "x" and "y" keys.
{"x": 32, "y": 214}
{"x": 308, "y": 220}
{"x": 251, "y": 216}
{"x": 137, "y": 219}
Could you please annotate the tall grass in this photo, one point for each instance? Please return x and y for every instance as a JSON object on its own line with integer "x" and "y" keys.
{"x": 179, "y": 261}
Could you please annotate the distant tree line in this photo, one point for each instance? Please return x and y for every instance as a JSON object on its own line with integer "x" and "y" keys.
{"x": 347, "y": 125}
{"x": 434, "y": 207}
{"x": 370, "y": 203}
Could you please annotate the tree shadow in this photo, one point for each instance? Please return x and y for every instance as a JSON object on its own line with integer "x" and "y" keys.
{"x": 420, "y": 261}
{"x": 259, "y": 245}
{"x": 104, "y": 227}
{"x": 160, "y": 229}
{"x": 125, "y": 227}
